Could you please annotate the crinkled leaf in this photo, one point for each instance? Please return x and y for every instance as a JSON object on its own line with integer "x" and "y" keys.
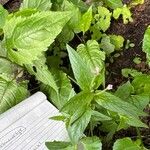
{"x": 41, "y": 5}
{"x": 91, "y": 143}
{"x": 65, "y": 90}
{"x": 82, "y": 72}
{"x": 146, "y": 44}
{"x": 115, "y": 104}
{"x": 126, "y": 144}
{"x": 114, "y": 3}
{"x": 26, "y": 38}
{"x": 3, "y": 16}
{"x": 59, "y": 145}
{"x": 86, "y": 20}
{"x": 93, "y": 57}
{"x": 125, "y": 12}
{"x": 103, "y": 18}
{"x": 76, "y": 129}
{"x": 11, "y": 93}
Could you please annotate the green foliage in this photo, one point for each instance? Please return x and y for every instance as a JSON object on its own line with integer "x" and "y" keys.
{"x": 34, "y": 4}
{"x": 11, "y": 93}
{"x": 86, "y": 20}
{"x": 91, "y": 143}
{"x": 3, "y": 16}
{"x": 146, "y": 44}
{"x": 136, "y": 2}
{"x": 103, "y": 18}
{"x": 33, "y": 41}
{"x": 114, "y": 3}
{"x": 26, "y": 38}
{"x": 126, "y": 144}
{"x": 125, "y": 12}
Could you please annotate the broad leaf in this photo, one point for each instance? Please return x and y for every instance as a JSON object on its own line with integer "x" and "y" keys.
{"x": 41, "y": 5}
{"x": 93, "y": 57}
{"x": 146, "y": 44}
{"x": 91, "y": 143}
{"x": 65, "y": 91}
{"x": 26, "y": 38}
{"x": 11, "y": 93}
{"x": 3, "y": 15}
{"x": 82, "y": 71}
{"x": 114, "y": 3}
{"x": 126, "y": 144}
{"x": 115, "y": 104}
{"x": 58, "y": 145}
{"x": 86, "y": 20}
{"x": 76, "y": 129}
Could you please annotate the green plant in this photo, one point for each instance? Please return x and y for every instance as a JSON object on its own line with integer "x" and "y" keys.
{"x": 35, "y": 39}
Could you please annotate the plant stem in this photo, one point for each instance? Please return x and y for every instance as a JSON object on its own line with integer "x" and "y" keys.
{"x": 140, "y": 137}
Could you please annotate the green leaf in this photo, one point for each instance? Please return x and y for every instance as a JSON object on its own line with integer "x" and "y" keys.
{"x": 93, "y": 57}
{"x": 81, "y": 71}
{"x": 130, "y": 72}
{"x": 91, "y": 143}
{"x": 146, "y": 44}
{"x": 3, "y": 16}
{"x": 11, "y": 93}
{"x": 125, "y": 12}
{"x": 124, "y": 91}
{"x": 26, "y": 38}
{"x": 65, "y": 91}
{"x": 76, "y": 129}
{"x": 41, "y": 72}
{"x": 41, "y": 5}
{"x": 106, "y": 45}
{"x": 115, "y": 104}
{"x": 86, "y": 20}
{"x": 103, "y": 18}
{"x": 117, "y": 41}
{"x": 58, "y": 145}
{"x": 114, "y": 3}
{"x": 136, "y": 2}
{"x": 126, "y": 144}
{"x": 78, "y": 102}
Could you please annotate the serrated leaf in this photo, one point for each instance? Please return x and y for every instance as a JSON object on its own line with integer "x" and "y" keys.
{"x": 59, "y": 145}
{"x": 86, "y": 20}
{"x": 76, "y": 129}
{"x": 125, "y": 12}
{"x": 79, "y": 71}
{"x": 103, "y": 18}
{"x": 91, "y": 143}
{"x": 65, "y": 90}
{"x": 93, "y": 57}
{"x": 41, "y": 5}
{"x": 146, "y": 44}
{"x": 114, "y": 3}
{"x": 126, "y": 144}
{"x": 26, "y": 38}
{"x": 115, "y": 104}
{"x": 11, "y": 93}
{"x": 3, "y": 16}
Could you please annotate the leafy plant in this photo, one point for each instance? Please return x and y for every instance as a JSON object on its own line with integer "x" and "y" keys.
{"x": 38, "y": 40}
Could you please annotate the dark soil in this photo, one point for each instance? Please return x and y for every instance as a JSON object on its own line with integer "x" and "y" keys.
{"x": 134, "y": 32}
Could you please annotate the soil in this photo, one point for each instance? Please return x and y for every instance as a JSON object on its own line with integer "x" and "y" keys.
{"x": 134, "y": 32}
